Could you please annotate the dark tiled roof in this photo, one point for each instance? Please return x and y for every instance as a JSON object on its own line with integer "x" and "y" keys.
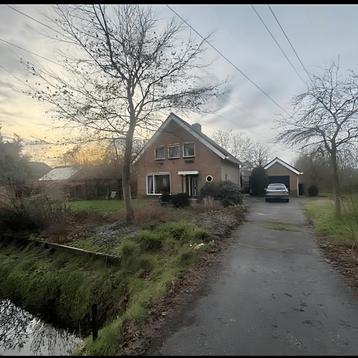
{"x": 229, "y": 156}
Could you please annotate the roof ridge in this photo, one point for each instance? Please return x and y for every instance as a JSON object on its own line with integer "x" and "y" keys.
{"x": 206, "y": 137}
{"x": 279, "y": 159}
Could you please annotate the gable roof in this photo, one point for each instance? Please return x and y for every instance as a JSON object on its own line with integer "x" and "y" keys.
{"x": 83, "y": 173}
{"x": 204, "y": 139}
{"x": 282, "y": 162}
{"x": 60, "y": 173}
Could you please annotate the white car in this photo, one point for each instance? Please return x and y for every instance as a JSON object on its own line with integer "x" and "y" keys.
{"x": 277, "y": 191}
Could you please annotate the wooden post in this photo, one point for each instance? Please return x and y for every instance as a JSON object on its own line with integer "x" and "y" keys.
{"x": 94, "y": 322}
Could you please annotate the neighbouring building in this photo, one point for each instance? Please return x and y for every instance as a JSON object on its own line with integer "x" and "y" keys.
{"x": 279, "y": 171}
{"x": 181, "y": 158}
{"x": 75, "y": 182}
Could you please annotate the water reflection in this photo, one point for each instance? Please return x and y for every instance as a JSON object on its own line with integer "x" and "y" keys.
{"x": 23, "y": 334}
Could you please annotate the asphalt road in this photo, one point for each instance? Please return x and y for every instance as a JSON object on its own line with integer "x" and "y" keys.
{"x": 274, "y": 295}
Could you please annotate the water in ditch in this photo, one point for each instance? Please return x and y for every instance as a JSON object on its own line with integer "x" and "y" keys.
{"x": 21, "y": 333}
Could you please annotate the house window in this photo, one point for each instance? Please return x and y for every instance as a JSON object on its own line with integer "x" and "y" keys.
{"x": 158, "y": 184}
{"x": 160, "y": 152}
{"x": 189, "y": 150}
{"x": 174, "y": 151}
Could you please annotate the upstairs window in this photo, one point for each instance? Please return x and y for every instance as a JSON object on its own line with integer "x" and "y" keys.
{"x": 174, "y": 151}
{"x": 160, "y": 152}
{"x": 189, "y": 150}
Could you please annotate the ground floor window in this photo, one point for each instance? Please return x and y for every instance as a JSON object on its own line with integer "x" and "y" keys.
{"x": 158, "y": 183}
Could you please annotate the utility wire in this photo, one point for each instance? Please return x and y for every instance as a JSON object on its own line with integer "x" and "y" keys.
{"x": 293, "y": 48}
{"x": 237, "y": 68}
{"x": 33, "y": 53}
{"x": 273, "y": 37}
{"x": 12, "y": 75}
{"x": 32, "y": 18}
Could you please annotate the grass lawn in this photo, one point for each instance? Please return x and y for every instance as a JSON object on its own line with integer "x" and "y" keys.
{"x": 104, "y": 206}
{"x": 322, "y": 212}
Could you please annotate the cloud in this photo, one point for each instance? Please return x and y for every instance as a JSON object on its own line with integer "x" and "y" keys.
{"x": 5, "y": 95}
{"x": 4, "y": 85}
{"x": 11, "y": 113}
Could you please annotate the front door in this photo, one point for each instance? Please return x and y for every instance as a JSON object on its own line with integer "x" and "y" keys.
{"x": 191, "y": 185}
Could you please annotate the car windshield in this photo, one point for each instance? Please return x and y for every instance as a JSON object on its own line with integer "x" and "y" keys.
{"x": 276, "y": 186}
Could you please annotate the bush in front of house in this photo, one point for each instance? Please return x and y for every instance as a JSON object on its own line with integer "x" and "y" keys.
{"x": 226, "y": 192}
{"x": 210, "y": 189}
{"x": 229, "y": 193}
{"x": 180, "y": 200}
{"x": 313, "y": 190}
{"x": 258, "y": 181}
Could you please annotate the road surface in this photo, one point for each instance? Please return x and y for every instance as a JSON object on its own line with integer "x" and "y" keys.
{"x": 274, "y": 295}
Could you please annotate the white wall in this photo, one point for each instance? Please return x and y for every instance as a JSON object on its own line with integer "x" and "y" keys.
{"x": 230, "y": 172}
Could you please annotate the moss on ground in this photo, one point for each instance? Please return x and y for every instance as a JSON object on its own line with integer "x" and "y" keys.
{"x": 278, "y": 225}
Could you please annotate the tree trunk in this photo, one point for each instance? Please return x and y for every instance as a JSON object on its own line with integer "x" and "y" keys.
{"x": 336, "y": 188}
{"x": 126, "y": 174}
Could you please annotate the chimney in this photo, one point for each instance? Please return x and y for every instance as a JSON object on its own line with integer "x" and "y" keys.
{"x": 196, "y": 127}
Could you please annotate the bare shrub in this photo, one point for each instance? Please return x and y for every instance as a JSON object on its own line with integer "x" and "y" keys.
{"x": 20, "y": 212}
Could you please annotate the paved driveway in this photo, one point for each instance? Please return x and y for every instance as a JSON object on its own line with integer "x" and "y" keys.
{"x": 274, "y": 295}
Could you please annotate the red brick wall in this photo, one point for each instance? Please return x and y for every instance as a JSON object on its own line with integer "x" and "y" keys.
{"x": 205, "y": 161}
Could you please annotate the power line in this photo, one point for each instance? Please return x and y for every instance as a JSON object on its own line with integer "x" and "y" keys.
{"x": 273, "y": 37}
{"x": 16, "y": 78}
{"x": 237, "y": 68}
{"x": 33, "y": 53}
{"x": 32, "y": 18}
{"x": 293, "y": 48}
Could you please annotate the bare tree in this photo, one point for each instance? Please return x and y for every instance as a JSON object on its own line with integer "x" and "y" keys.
{"x": 128, "y": 69}
{"x": 260, "y": 154}
{"x": 243, "y": 147}
{"x": 325, "y": 118}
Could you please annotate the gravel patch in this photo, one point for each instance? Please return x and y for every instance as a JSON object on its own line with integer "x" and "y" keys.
{"x": 220, "y": 223}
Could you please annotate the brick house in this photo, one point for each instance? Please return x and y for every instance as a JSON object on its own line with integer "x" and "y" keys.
{"x": 181, "y": 158}
{"x": 278, "y": 171}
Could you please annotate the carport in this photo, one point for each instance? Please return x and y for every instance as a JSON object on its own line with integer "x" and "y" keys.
{"x": 279, "y": 171}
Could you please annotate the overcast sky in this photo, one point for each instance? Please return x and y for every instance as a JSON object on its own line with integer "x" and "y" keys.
{"x": 319, "y": 34}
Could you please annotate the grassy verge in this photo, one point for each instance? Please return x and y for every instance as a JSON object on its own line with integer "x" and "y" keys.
{"x": 153, "y": 258}
{"x": 67, "y": 286}
{"x": 322, "y": 213}
{"x": 103, "y": 206}
{"x": 59, "y": 286}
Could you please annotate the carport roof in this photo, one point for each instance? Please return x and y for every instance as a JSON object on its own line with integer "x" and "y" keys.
{"x": 282, "y": 162}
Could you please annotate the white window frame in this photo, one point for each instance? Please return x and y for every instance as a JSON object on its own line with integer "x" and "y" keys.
{"x": 155, "y": 152}
{"x": 154, "y": 174}
{"x": 173, "y": 146}
{"x": 189, "y": 156}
